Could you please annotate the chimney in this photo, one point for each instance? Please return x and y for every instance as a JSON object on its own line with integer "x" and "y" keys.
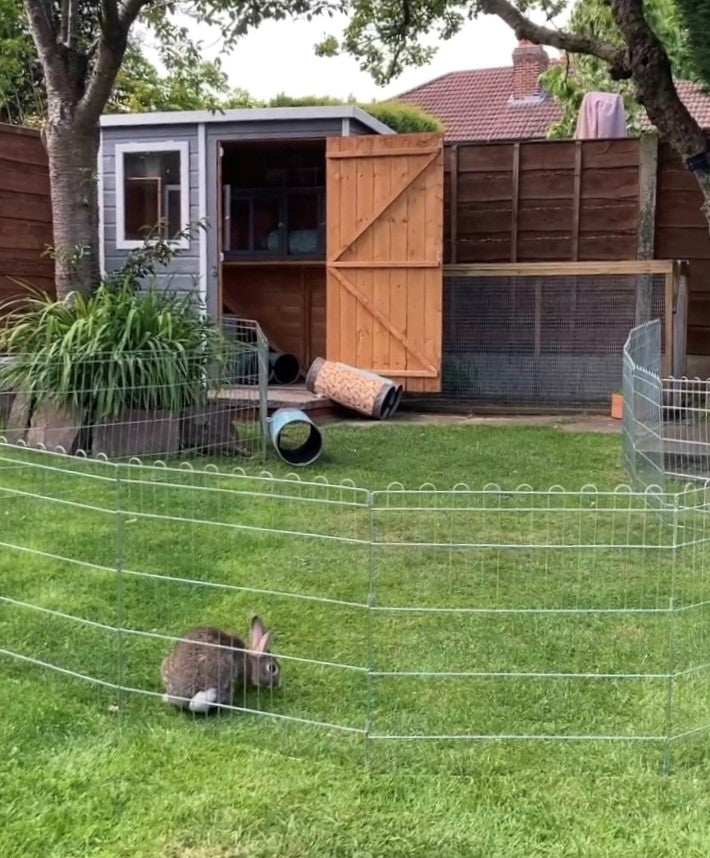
{"x": 529, "y": 62}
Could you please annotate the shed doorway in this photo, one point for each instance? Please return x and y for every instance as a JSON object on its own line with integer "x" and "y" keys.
{"x": 272, "y": 241}
{"x": 335, "y": 248}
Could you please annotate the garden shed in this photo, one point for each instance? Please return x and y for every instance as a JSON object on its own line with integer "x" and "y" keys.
{"x": 323, "y": 225}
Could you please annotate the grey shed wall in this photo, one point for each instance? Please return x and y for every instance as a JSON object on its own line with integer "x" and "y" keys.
{"x": 196, "y": 268}
{"x": 183, "y": 274}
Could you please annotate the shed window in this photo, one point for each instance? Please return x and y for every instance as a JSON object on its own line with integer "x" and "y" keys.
{"x": 151, "y": 193}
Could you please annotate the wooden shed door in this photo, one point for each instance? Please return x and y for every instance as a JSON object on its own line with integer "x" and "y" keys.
{"x": 384, "y": 255}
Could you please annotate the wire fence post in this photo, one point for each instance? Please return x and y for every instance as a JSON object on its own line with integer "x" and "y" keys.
{"x": 371, "y": 603}
{"x": 667, "y": 754}
{"x": 120, "y": 536}
{"x": 263, "y": 383}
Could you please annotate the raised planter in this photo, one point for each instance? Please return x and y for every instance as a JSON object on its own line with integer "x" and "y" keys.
{"x": 18, "y": 420}
{"x": 55, "y": 427}
{"x": 137, "y": 433}
{"x": 7, "y": 397}
{"x": 210, "y": 427}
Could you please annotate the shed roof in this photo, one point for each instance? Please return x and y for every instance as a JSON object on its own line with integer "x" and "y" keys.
{"x": 246, "y": 114}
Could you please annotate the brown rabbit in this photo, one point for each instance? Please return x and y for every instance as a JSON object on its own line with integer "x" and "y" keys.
{"x": 207, "y": 663}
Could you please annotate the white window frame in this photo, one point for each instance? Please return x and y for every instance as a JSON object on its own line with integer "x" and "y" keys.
{"x": 122, "y": 149}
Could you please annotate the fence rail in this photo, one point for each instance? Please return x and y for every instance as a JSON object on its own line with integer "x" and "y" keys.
{"x": 401, "y": 615}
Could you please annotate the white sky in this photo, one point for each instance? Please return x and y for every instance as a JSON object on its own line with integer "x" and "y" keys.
{"x": 278, "y": 57}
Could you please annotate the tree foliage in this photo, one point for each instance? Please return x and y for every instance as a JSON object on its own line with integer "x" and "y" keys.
{"x": 20, "y": 78}
{"x": 696, "y": 17}
{"x": 576, "y": 75}
{"x": 202, "y": 85}
{"x": 186, "y": 84}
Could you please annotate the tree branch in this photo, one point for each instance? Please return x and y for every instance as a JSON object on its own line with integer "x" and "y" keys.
{"x": 64, "y": 22}
{"x": 72, "y": 24}
{"x": 44, "y": 34}
{"x": 109, "y": 15}
{"x": 401, "y": 32}
{"x": 39, "y": 16}
{"x": 574, "y": 43}
{"x": 130, "y": 10}
{"x": 108, "y": 55}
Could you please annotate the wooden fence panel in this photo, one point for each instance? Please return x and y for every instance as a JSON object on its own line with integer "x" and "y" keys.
{"x": 542, "y": 201}
{"x": 25, "y": 212}
{"x": 682, "y": 232}
{"x": 564, "y": 201}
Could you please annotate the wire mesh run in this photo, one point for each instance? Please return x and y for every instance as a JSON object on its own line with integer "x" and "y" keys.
{"x": 552, "y": 340}
{"x": 141, "y": 403}
{"x": 422, "y": 616}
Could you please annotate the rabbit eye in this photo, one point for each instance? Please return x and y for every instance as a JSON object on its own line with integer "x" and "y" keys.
{"x": 271, "y": 667}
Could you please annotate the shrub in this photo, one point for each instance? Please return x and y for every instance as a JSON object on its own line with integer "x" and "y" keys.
{"x": 403, "y": 118}
{"x": 400, "y": 117}
{"x": 116, "y": 349}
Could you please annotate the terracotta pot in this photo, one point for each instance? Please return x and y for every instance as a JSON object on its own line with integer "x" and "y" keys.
{"x": 617, "y": 406}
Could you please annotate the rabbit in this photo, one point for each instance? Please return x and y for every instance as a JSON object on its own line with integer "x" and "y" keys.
{"x": 206, "y": 665}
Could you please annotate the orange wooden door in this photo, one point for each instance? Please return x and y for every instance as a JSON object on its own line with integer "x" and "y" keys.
{"x": 384, "y": 217}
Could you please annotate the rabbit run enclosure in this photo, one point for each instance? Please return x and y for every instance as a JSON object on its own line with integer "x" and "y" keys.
{"x": 420, "y": 616}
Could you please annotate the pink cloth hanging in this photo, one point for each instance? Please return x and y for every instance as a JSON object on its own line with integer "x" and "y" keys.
{"x": 601, "y": 116}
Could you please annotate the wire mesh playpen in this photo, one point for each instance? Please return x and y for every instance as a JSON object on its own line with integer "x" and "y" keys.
{"x": 666, "y": 429}
{"x": 401, "y": 616}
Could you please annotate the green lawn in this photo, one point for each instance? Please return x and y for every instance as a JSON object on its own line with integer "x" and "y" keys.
{"x": 89, "y": 771}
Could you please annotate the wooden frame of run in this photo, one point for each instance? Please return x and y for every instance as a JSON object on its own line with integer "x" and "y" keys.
{"x": 674, "y": 271}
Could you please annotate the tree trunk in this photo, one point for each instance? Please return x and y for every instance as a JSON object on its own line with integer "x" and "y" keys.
{"x": 72, "y": 149}
{"x": 650, "y": 70}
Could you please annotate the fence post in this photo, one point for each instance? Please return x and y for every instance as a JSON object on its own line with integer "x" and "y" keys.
{"x": 120, "y": 535}
{"x": 670, "y": 670}
{"x": 371, "y": 602}
{"x": 646, "y": 235}
{"x": 453, "y": 202}
{"x": 680, "y": 319}
{"x": 262, "y": 355}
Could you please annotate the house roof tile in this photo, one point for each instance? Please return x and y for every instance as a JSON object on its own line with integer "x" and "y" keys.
{"x": 477, "y": 105}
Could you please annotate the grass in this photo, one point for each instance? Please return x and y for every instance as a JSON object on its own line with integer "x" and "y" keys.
{"x": 89, "y": 772}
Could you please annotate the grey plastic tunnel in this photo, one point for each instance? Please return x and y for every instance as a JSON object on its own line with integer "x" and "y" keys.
{"x": 304, "y": 453}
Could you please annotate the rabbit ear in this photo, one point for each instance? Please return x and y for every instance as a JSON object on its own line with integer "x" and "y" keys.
{"x": 256, "y": 632}
{"x": 262, "y": 644}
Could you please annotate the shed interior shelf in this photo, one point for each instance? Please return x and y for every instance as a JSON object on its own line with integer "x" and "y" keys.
{"x": 251, "y": 262}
